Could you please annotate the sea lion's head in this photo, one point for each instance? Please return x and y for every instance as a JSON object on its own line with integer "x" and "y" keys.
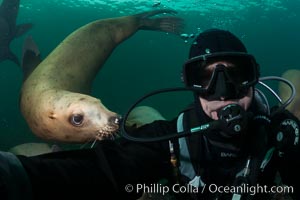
{"x": 80, "y": 118}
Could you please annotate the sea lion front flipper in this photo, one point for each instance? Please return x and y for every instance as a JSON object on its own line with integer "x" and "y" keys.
{"x": 168, "y": 24}
{"x": 31, "y": 57}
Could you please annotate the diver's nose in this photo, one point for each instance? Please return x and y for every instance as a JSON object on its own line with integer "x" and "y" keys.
{"x": 115, "y": 120}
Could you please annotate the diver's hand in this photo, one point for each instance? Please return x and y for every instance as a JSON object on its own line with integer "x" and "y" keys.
{"x": 285, "y": 128}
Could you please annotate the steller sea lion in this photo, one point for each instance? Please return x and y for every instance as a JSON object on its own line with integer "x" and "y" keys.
{"x": 55, "y": 99}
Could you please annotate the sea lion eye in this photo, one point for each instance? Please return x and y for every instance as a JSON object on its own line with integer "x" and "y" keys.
{"x": 76, "y": 119}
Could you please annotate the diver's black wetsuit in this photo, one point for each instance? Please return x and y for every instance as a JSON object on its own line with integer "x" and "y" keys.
{"x": 108, "y": 168}
{"x": 98, "y": 172}
{"x": 101, "y": 171}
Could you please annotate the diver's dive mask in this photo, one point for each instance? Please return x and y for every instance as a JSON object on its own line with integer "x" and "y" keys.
{"x": 222, "y": 82}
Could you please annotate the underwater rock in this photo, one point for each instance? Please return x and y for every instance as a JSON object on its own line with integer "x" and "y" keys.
{"x": 142, "y": 115}
{"x": 293, "y": 75}
{"x": 33, "y": 149}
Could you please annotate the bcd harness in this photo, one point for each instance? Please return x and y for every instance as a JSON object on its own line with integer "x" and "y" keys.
{"x": 188, "y": 168}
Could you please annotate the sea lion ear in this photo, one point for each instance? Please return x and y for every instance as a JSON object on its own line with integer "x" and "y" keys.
{"x": 52, "y": 115}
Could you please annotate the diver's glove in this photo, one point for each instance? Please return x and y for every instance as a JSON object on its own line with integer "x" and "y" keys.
{"x": 285, "y": 130}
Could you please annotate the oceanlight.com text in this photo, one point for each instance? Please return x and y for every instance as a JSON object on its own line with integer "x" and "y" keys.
{"x": 211, "y": 188}
{"x": 250, "y": 189}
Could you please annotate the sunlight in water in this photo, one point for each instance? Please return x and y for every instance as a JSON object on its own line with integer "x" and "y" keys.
{"x": 203, "y": 6}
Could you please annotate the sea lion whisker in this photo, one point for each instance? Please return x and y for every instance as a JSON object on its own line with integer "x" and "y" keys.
{"x": 111, "y": 137}
{"x": 94, "y": 142}
{"x": 83, "y": 145}
{"x": 86, "y": 143}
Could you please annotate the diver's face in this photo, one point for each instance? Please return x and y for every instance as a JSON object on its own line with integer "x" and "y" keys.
{"x": 211, "y": 107}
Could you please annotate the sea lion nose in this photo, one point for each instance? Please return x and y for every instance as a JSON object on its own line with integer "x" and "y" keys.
{"x": 115, "y": 120}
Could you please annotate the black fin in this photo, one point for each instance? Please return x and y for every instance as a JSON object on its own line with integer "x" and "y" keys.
{"x": 9, "y": 30}
{"x": 30, "y": 57}
{"x": 6, "y": 54}
{"x": 23, "y": 28}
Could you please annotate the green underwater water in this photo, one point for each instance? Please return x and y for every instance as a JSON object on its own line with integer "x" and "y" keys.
{"x": 149, "y": 60}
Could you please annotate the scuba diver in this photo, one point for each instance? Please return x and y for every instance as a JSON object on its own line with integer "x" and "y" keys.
{"x": 228, "y": 144}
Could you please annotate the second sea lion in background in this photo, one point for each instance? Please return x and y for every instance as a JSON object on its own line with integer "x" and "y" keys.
{"x": 9, "y": 30}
